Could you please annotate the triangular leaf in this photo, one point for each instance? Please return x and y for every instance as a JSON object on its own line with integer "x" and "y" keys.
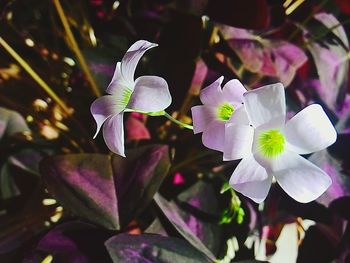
{"x": 172, "y": 212}
{"x": 84, "y": 183}
{"x": 73, "y": 242}
{"x": 138, "y": 177}
{"x": 152, "y": 248}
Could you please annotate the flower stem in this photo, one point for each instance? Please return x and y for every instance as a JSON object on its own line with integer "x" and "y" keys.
{"x": 181, "y": 124}
{"x": 165, "y": 114}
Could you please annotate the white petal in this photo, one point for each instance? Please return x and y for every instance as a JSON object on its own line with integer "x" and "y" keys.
{"x": 239, "y": 116}
{"x": 214, "y": 135}
{"x": 266, "y": 104}
{"x": 212, "y": 95}
{"x": 238, "y": 141}
{"x": 132, "y": 57}
{"x": 102, "y": 108}
{"x": 310, "y": 130}
{"x": 251, "y": 179}
{"x": 233, "y": 91}
{"x": 118, "y": 82}
{"x": 151, "y": 94}
{"x": 299, "y": 178}
{"x": 202, "y": 115}
{"x": 113, "y": 134}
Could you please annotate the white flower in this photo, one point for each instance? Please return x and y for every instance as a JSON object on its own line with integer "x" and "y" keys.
{"x": 270, "y": 147}
{"x": 145, "y": 94}
{"x": 219, "y": 107}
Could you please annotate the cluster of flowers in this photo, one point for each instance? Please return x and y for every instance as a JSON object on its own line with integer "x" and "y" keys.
{"x": 247, "y": 125}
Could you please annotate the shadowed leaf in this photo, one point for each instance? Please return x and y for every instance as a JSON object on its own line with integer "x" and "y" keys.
{"x": 152, "y": 248}
{"x": 73, "y": 242}
{"x": 11, "y": 122}
{"x": 331, "y": 63}
{"x": 172, "y": 212}
{"x": 138, "y": 177}
{"x": 84, "y": 184}
{"x": 199, "y": 205}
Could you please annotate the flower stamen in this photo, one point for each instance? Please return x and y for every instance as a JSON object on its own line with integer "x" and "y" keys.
{"x": 271, "y": 143}
{"x": 225, "y": 111}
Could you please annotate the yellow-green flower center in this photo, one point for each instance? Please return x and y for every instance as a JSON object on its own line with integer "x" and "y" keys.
{"x": 271, "y": 143}
{"x": 225, "y": 111}
{"x": 126, "y": 96}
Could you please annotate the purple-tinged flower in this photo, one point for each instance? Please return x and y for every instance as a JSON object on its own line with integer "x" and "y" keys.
{"x": 219, "y": 107}
{"x": 269, "y": 147}
{"x": 145, "y": 94}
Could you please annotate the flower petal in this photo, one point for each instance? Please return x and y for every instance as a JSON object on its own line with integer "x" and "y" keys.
{"x": 212, "y": 95}
{"x": 299, "y": 178}
{"x": 214, "y": 135}
{"x": 202, "y": 115}
{"x": 310, "y": 130}
{"x": 266, "y": 104}
{"x": 251, "y": 179}
{"x": 102, "y": 108}
{"x": 132, "y": 57}
{"x": 151, "y": 94}
{"x": 239, "y": 116}
{"x": 118, "y": 83}
{"x": 113, "y": 134}
{"x": 238, "y": 141}
{"x": 233, "y": 91}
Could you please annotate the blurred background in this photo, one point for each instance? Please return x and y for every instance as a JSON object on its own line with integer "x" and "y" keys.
{"x": 58, "y": 56}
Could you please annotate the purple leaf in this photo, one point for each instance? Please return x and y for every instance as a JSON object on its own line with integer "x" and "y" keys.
{"x": 138, "y": 177}
{"x": 267, "y": 57}
{"x": 331, "y": 63}
{"x": 340, "y": 180}
{"x": 172, "y": 212}
{"x": 149, "y": 248}
{"x": 201, "y": 199}
{"x": 73, "y": 242}
{"x": 135, "y": 128}
{"x": 84, "y": 184}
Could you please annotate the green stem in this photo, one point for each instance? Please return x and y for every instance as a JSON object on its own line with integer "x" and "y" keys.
{"x": 181, "y": 124}
{"x": 165, "y": 114}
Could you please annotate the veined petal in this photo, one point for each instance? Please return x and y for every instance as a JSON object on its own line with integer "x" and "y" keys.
{"x": 239, "y": 116}
{"x": 299, "y": 178}
{"x": 113, "y": 134}
{"x": 151, "y": 94}
{"x": 102, "y": 108}
{"x": 214, "y": 135}
{"x": 238, "y": 141}
{"x": 233, "y": 91}
{"x": 251, "y": 179}
{"x": 118, "y": 83}
{"x": 212, "y": 95}
{"x": 132, "y": 58}
{"x": 202, "y": 115}
{"x": 310, "y": 130}
{"x": 266, "y": 104}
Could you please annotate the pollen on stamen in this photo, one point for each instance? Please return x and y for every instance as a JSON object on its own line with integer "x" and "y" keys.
{"x": 271, "y": 143}
{"x": 225, "y": 111}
